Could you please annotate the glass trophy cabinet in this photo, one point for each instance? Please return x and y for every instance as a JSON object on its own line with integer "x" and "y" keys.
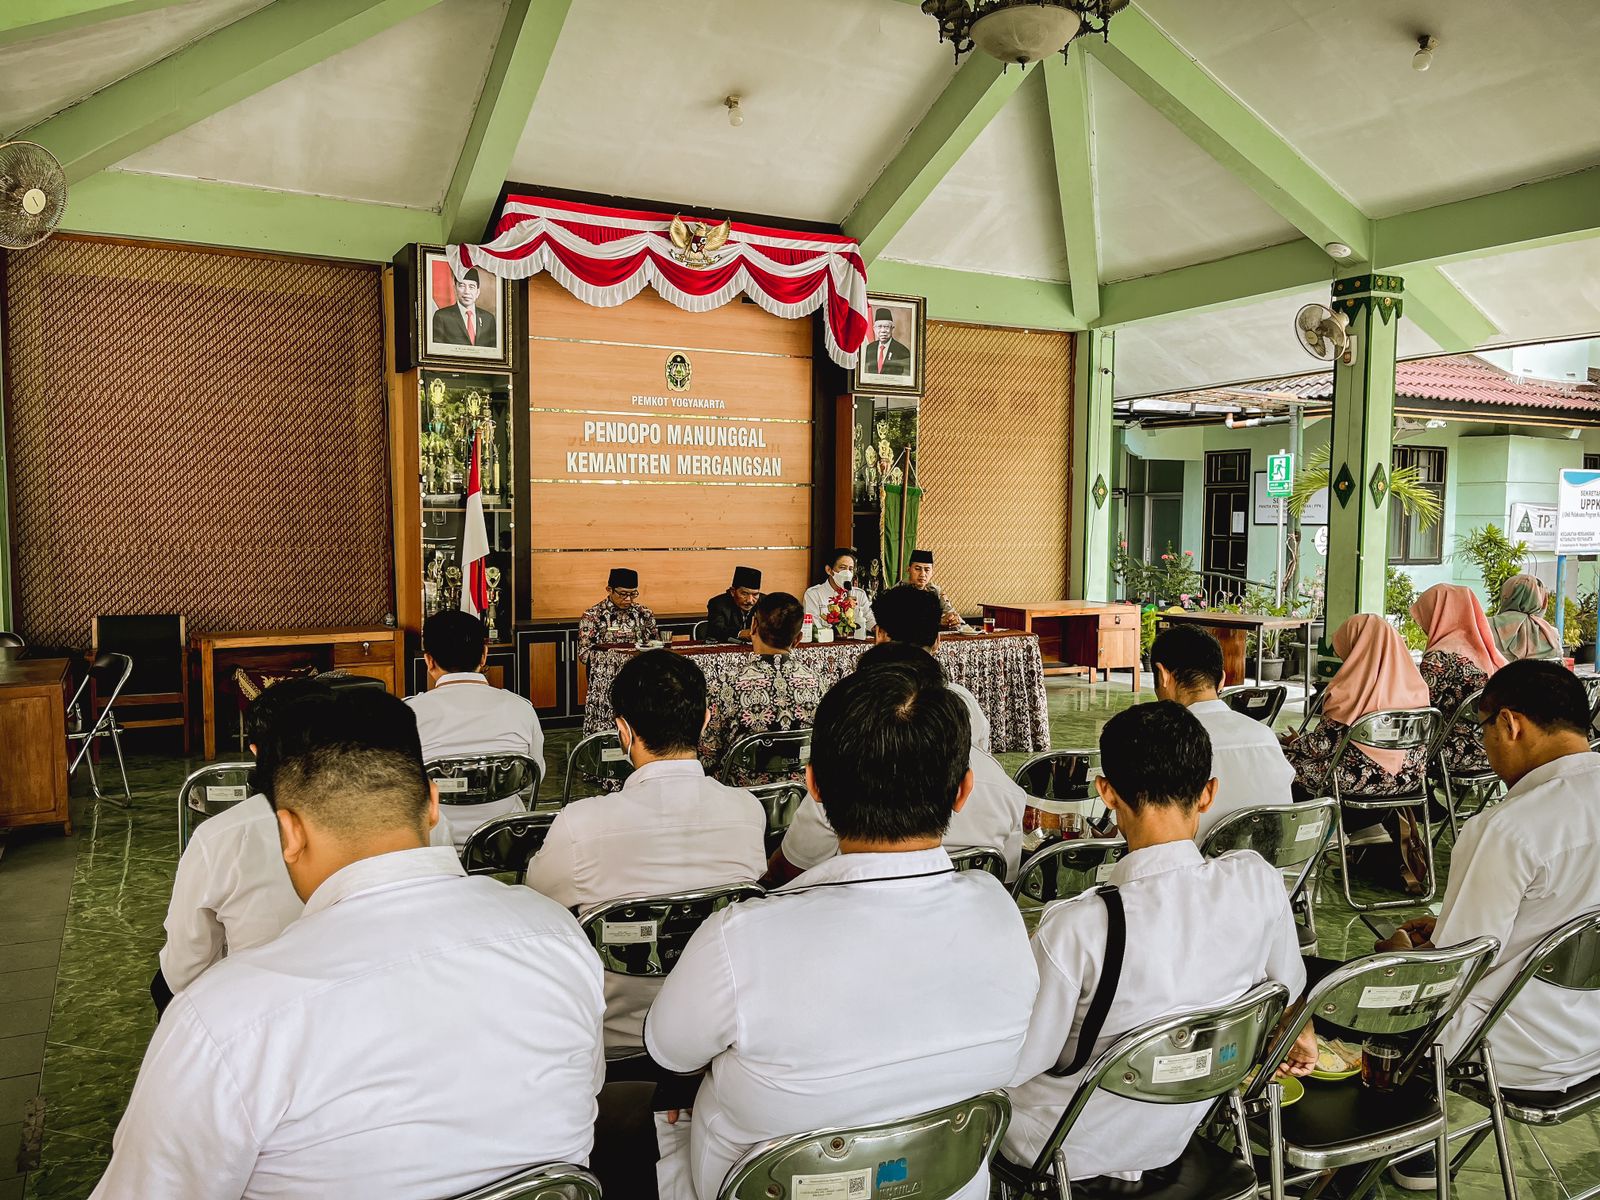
{"x": 458, "y": 408}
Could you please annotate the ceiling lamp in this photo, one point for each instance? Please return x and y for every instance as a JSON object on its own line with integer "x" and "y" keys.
{"x": 1019, "y": 31}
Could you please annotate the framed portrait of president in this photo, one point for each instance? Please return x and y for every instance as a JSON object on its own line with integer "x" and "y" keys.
{"x": 463, "y": 317}
{"x": 890, "y": 361}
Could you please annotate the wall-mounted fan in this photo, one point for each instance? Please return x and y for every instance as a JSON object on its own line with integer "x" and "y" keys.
{"x": 33, "y": 194}
{"x": 1325, "y": 334}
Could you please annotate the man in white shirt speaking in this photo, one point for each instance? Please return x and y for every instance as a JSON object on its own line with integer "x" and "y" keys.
{"x": 463, "y": 714}
{"x": 670, "y": 829}
{"x": 991, "y": 818}
{"x": 311, "y": 1065}
{"x": 1246, "y": 759}
{"x": 876, "y": 986}
{"x": 1198, "y": 933}
{"x": 1520, "y": 871}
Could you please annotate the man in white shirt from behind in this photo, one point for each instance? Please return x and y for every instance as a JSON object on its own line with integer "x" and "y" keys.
{"x": 1520, "y": 871}
{"x": 670, "y": 829}
{"x": 991, "y": 819}
{"x": 1200, "y": 932}
{"x": 1246, "y": 758}
{"x": 874, "y": 987}
{"x": 911, "y": 615}
{"x": 307, "y": 1066}
{"x": 462, "y": 714}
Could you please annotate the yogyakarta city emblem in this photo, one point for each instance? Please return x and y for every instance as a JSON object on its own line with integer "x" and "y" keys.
{"x": 697, "y": 243}
{"x": 679, "y": 372}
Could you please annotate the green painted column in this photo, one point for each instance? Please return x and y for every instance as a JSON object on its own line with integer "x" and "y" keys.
{"x": 1089, "y": 542}
{"x": 1361, "y": 446}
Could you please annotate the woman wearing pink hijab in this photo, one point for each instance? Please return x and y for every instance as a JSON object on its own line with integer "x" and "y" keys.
{"x": 1377, "y": 674}
{"x": 1461, "y": 656}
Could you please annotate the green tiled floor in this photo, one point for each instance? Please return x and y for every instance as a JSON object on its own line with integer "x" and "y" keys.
{"x": 90, "y": 973}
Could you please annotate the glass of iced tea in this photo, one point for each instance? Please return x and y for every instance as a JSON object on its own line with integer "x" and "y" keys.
{"x": 988, "y": 622}
{"x": 1380, "y": 1059}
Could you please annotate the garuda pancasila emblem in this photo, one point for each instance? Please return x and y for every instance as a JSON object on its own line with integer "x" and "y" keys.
{"x": 697, "y": 243}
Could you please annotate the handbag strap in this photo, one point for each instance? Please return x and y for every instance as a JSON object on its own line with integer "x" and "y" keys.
{"x": 1105, "y": 991}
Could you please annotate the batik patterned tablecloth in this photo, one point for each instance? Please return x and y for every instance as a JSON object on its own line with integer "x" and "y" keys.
{"x": 1002, "y": 670}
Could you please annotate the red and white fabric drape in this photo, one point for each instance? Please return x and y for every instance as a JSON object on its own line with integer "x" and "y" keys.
{"x": 606, "y": 256}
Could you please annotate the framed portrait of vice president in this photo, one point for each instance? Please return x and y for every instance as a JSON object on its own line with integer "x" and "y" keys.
{"x": 890, "y": 361}
{"x": 463, "y": 317}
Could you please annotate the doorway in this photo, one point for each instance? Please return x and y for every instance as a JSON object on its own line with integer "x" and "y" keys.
{"x": 1227, "y": 524}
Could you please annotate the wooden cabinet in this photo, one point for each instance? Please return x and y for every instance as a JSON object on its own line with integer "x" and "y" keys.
{"x": 33, "y": 743}
{"x": 1077, "y": 636}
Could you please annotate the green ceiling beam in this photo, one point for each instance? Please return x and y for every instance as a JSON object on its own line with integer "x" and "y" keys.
{"x": 1066, "y": 87}
{"x": 1237, "y": 279}
{"x": 1440, "y": 310}
{"x": 967, "y": 104}
{"x": 1173, "y": 83}
{"x": 219, "y": 70}
{"x": 1557, "y": 210}
{"x": 21, "y": 20}
{"x": 527, "y": 42}
{"x": 977, "y": 298}
{"x": 164, "y": 208}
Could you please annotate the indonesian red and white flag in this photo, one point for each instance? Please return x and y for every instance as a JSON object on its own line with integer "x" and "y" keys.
{"x": 474, "y": 544}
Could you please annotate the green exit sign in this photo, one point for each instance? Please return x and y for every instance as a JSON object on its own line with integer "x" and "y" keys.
{"x": 1280, "y": 474}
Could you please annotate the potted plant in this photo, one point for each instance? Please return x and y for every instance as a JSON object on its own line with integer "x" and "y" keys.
{"x": 1497, "y": 558}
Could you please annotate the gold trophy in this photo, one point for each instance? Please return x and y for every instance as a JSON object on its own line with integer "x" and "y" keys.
{"x": 492, "y": 577}
{"x": 452, "y": 596}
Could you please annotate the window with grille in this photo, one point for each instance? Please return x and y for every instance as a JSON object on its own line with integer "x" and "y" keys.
{"x": 1409, "y": 541}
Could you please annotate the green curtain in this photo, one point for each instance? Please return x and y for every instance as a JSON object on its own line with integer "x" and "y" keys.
{"x": 897, "y": 530}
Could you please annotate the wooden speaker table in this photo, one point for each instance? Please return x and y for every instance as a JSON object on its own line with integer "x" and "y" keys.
{"x": 33, "y": 743}
{"x": 1077, "y": 637}
{"x": 1233, "y": 629}
{"x": 376, "y": 652}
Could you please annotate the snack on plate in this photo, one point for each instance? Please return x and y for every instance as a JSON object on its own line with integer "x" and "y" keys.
{"x": 1335, "y": 1057}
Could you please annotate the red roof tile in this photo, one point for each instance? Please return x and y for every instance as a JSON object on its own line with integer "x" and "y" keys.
{"x": 1463, "y": 378}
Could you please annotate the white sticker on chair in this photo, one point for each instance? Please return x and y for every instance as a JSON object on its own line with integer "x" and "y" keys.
{"x": 1387, "y": 997}
{"x": 1175, "y": 1068}
{"x": 840, "y": 1185}
{"x": 1103, "y": 871}
{"x": 627, "y": 933}
{"x": 451, "y": 785}
{"x": 613, "y": 754}
{"x": 1443, "y": 988}
{"x": 1309, "y": 831}
{"x": 236, "y": 791}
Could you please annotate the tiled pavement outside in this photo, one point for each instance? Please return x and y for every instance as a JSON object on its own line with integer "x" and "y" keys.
{"x": 80, "y": 925}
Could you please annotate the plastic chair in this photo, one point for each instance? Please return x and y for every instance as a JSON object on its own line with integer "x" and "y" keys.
{"x": 980, "y": 858}
{"x": 483, "y": 778}
{"x": 1228, "y": 1041}
{"x": 1065, "y": 869}
{"x": 1059, "y": 775}
{"x": 1389, "y": 729}
{"x": 599, "y": 761}
{"x": 931, "y": 1156}
{"x": 553, "y": 1181}
{"x": 1570, "y": 959}
{"x": 103, "y": 725}
{"x": 1406, "y": 994}
{"x": 766, "y": 757}
{"x": 1262, "y": 703}
{"x": 644, "y": 937}
{"x": 503, "y": 845}
{"x": 214, "y": 788}
{"x": 1483, "y": 786}
{"x": 159, "y": 646}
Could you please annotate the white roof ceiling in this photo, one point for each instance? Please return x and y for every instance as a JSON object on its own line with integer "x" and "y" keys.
{"x": 631, "y": 106}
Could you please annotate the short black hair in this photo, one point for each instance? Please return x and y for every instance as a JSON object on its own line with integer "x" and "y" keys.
{"x": 839, "y": 552}
{"x": 888, "y": 754}
{"x": 927, "y": 668}
{"x": 1541, "y": 691}
{"x": 265, "y": 726}
{"x": 1191, "y": 654}
{"x": 351, "y": 761}
{"x": 456, "y": 640}
{"x": 909, "y": 614}
{"x": 778, "y": 619}
{"x": 662, "y": 695}
{"x": 1156, "y": 753}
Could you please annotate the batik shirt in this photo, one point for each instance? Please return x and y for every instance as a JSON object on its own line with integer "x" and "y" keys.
{"x": 1311, "y": 756}
{"x": 605, "y": 623}
{"x": 772, "y": 692}
{"x": 1451, "y": 679}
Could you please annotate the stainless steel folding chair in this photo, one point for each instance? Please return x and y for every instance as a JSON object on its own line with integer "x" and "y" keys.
{"x": 553, "y": 1181}
{"x": 598, "y": 762}
{"x": 84, "y": 726}
{"x": 214, "y": 788}
{"x": 780, "y": 754}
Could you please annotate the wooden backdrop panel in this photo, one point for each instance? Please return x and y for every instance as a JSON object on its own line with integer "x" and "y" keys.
{"x": 585, "y": 516}
{"x": 648, "y": 320}
{"x": 994, "y": 448}
{"x": 684, "y": 531}
{"x": 670, "y": 581}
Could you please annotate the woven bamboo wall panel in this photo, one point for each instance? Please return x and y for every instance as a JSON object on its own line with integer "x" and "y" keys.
{"x": 995, "y": 451}
{"x": 197, "y": 433}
